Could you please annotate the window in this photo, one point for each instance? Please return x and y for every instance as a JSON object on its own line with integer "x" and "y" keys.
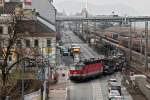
{"x": 36, "y": 43}
{"x": 1, "y": 30}
{"x": 9, "y": 29}
{"x": 0, "y": 44}
{"x": 27, "y": 43}
{"x": 19, "y": 44}
{"x": 10, "y": 58}
{"x": 48, "y": 43}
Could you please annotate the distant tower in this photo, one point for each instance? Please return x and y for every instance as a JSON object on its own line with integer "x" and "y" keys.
{"x": 86, "y": 8}
{"x": 84, "y": 12}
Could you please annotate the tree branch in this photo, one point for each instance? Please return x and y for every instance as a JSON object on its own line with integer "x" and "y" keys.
{"x": 10, "y": 67}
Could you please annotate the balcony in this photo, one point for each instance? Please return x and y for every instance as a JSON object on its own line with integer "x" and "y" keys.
{"x": 5, "y": 19}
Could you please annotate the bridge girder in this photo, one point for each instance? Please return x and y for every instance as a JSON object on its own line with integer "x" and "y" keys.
{"x": 106, "y": 19}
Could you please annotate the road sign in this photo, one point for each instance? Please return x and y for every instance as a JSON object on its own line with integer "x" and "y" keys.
{"x": 33, "y": 96}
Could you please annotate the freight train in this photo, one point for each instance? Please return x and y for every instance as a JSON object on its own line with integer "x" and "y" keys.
{"x": 138, "y": 44}
{"x": 112, "y": 35}
{"x": 94, "y": 67}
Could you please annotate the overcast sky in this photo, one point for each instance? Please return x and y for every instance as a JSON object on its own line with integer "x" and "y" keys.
{"x": 133, "y": 3}
{"x": 139, "y": 5}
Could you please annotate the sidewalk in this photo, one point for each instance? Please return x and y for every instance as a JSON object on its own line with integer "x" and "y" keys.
{"x": 58, "y": 91}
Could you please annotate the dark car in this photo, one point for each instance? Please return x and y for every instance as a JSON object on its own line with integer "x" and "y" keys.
{"x": 65, "y": 52}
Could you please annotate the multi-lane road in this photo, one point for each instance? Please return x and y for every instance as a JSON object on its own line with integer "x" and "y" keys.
{"x": 95, "y": 89}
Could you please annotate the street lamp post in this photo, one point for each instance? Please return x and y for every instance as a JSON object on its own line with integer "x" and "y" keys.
{"x": 22, "y": 73}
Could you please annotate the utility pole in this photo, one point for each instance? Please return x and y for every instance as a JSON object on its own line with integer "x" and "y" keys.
{"x": 141, "y": 46}
{"x": 86, "y": 15}
{"x": 146, "y": 46}
{"x": 95, "y": 32}
{"x": 130, "y": 42}
{"x": 82, "y": 30}
{"x": 23, "y": 71}
{"x": 88, "y": 31}
{"x": 76, "y": 26}
{"x": 82, "y": 27}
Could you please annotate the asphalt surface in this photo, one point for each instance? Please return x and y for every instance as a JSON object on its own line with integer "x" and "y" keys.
{"x": 69, "y": 38}
{"x": 94, "y": 89}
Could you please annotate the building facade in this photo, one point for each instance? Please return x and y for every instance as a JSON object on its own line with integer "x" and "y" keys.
{"x": 38, "y": 32}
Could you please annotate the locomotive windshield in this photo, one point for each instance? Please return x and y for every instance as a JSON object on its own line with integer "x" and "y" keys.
{"x": 76, "y": 66}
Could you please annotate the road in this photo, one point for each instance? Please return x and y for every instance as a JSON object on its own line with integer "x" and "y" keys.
{"x": 69, "y": 37}
{"x": 95, "y": 89}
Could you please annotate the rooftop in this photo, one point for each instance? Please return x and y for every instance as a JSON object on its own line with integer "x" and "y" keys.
{"x": 35, "y": 28}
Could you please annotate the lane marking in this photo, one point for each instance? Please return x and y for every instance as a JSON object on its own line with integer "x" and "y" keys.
{"x": 66, "y": 95}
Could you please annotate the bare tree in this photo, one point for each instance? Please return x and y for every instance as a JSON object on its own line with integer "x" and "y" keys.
{"x": 6, "y": 50}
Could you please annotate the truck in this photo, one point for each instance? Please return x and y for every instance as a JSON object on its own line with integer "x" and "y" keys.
{"x": 75, "y": 49}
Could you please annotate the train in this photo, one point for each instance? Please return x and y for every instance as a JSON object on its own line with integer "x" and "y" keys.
{"x": 94, "y": 67}
{"x": 138, "y": 44}
{"x": 112, "y": 35}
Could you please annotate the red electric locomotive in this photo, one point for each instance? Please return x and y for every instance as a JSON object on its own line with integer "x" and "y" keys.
{"x": 86, "y": 69}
